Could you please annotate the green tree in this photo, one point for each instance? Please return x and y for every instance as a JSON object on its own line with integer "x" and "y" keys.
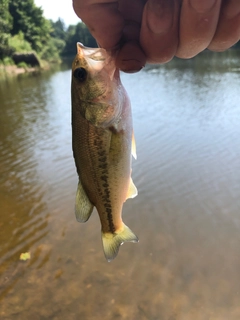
{"x": 5, "y": 27}
{"x": 19, "y": 44}
{"x": 23, "y": 28}
{"x": 58, "y": 29}
{"x": 78, "y": 33}
{"x": 29, "y": 19}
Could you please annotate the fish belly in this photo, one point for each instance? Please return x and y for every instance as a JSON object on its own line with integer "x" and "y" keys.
{"x": 103, "y": 160}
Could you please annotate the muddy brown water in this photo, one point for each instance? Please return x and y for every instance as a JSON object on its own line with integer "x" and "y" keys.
{"x": 187, "y": 214}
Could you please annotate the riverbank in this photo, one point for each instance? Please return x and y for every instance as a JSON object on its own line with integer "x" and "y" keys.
{"x": 15, "y": 70}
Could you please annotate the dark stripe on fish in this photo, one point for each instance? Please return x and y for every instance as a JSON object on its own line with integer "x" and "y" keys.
{"x": 103, "y": 189}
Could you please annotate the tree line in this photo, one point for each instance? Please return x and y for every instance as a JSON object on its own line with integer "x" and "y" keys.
{"x": 23, "y": 28}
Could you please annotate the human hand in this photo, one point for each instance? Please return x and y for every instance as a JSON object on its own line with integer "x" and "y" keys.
{"x": 155, "y": 31}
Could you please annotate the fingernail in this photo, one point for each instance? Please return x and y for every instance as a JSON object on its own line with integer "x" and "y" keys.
{"x": 160, "y": 15}
{"x": 131, "y": 58}
{"x": 130, "y": 65}
{"x": 127, "y": 69}
{"x": 203, "y": 5}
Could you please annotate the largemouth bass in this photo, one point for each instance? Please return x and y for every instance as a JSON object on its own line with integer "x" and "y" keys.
{"x": 103, "y": 141}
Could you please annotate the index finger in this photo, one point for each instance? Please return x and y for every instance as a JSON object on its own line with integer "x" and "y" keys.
{"x": 103, "y": 19}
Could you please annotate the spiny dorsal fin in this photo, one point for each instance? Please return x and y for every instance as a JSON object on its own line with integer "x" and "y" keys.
{"x": 83, "y": 206}
{"x": 112, "y": 242}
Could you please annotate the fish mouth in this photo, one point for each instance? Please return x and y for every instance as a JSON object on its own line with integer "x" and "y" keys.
{"x": 97, "y": 55}
{"x": 97, "y": 58}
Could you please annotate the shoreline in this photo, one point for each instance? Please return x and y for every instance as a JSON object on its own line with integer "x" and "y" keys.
{"x": 15, "y": 70}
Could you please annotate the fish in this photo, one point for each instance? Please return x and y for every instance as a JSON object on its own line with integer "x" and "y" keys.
{"x": 103, "y": 144}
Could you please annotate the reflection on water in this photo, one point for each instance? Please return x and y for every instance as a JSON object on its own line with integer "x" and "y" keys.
{"x": 186, "y": 266}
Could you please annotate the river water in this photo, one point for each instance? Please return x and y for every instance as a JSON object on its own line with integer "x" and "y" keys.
{"x": 187, "y": 215}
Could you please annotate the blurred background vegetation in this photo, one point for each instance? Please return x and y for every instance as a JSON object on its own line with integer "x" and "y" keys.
{"x": 24, "y": 29}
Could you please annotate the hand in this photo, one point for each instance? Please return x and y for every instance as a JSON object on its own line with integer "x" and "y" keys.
{"x": 157, "y": 30}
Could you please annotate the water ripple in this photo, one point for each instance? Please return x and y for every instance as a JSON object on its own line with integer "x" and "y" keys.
{"x": 186, "y": 122}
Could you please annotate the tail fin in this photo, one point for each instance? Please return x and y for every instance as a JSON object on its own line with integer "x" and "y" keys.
{"x": 112, "y": 242}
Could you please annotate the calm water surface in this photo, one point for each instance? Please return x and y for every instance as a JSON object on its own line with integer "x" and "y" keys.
{"x": 187, "y": 215}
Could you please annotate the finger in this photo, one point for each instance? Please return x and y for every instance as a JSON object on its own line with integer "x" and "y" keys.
{"x": 228, "y": 29}
{"x": 103, "y": 19}
{"x": 159, "y": 30}
{"x": 131, "y": 57}
{"x": 114, "y": 25}
{"x": 198, "y": 23}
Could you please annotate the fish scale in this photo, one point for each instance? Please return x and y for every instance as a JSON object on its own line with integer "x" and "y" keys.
{"x": 102, "y": 144}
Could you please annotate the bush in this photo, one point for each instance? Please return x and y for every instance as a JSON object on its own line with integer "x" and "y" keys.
{"x": 22, "y": 65}
{"x": 51, "y": 51}
{"x": 7, "y": 61}
{"x": 19, "y": 44}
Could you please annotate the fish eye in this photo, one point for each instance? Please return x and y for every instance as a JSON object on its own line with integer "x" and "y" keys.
{"x": 80, "y": 74}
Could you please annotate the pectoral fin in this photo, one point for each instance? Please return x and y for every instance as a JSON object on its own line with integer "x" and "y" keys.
{"x": 112, "y": 242}
{"x": 83, "y": 206}
{"x": 134, "y": 150}
{"x": 132, "y": 190}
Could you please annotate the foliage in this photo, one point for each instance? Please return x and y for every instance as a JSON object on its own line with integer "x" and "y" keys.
{"x": 19, "y": 44}
{"x": 52, "y": 50}
{"x": 22, "y": 65}
{"x": 29, "y": 19}
{"x": 58, "y": 29}
{"x": 23, "y": 28}
{"x": 68, "y": 37}
{"x": 5, "y": 27}
{"x": 78, "y": 33}
{"x": 7, "y": 61}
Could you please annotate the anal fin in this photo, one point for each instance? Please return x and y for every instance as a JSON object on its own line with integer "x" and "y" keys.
{"x": 134, "y": 149}
{"x": 83, "y": 206}
{"x": 132, "y": 190}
